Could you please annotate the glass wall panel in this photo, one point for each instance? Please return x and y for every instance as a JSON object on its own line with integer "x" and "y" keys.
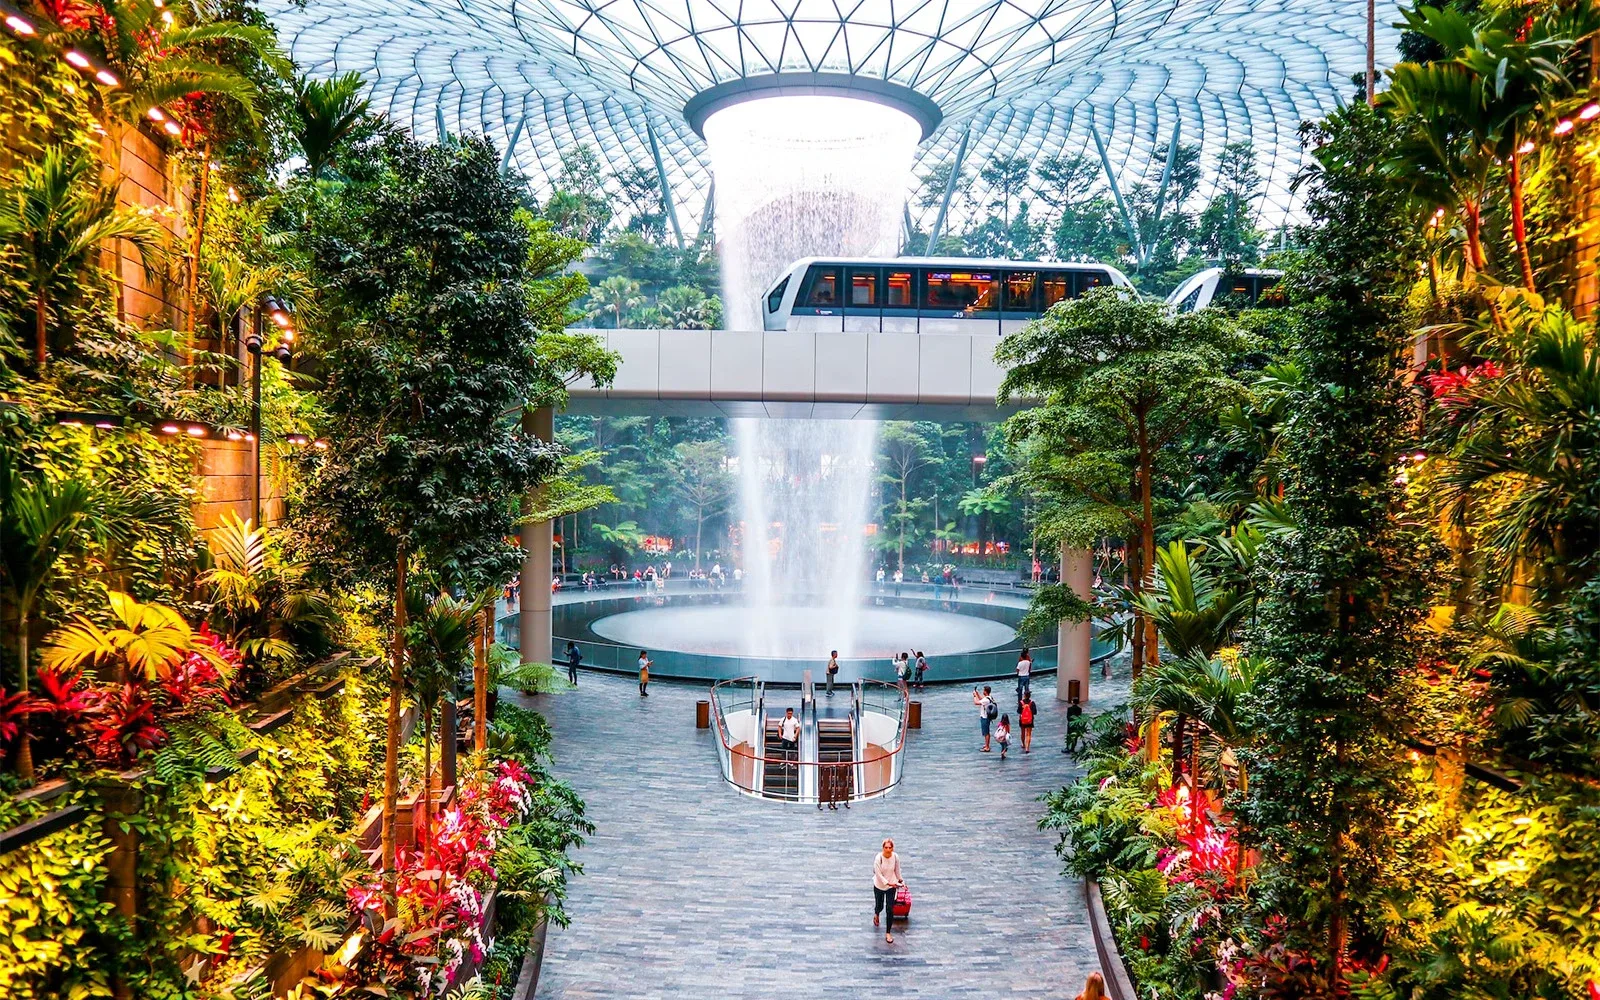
{"x": 864, "y": 288}
{"x": 1022, "y": 292}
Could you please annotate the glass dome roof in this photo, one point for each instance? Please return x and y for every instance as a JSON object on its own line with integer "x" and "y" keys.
{"x": 1033, "y": 78}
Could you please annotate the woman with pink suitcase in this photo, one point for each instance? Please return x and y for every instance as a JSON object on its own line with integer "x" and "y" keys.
{"x": 887, "y": 889}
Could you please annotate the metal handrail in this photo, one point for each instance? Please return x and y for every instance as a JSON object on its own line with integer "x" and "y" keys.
{"x": 727, "y": 751}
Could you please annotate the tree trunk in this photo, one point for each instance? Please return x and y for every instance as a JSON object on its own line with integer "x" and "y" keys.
{"x": 419, "y": 816}
{"x": 1519, "y": 224}
{"x": 1152, "y": 644}
{"x": 699, "y": 523}
{"x": 480, "y": 681}
{"x": 24, "y": 741}
{"x": 41, "y": 323}
{"x": 1133, "y": 575}
{"x": 900, "y": 557}
{"x": 1197, "y": 799}
{"x": 391, "y": 758}
{"x": 1474, "y": 236}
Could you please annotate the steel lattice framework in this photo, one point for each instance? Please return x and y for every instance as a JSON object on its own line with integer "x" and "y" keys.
{"x": 1110, "y": 79}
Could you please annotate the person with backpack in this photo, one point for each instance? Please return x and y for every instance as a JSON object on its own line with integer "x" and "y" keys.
{"x": 1002, "y": 735}
{"x": 833, "y": 670}
{"x": 988, "y": 711}
{"x": 1025, "y": 716}
{"x": 902, "y": 666}
{"x": 574, "y": 657}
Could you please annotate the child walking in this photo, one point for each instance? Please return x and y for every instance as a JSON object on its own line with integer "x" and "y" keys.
{"x": 644, "y": 674}
{"x": 1002, "y": 735}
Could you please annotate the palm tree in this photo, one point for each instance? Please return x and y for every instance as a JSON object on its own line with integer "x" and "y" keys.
{"x": 327, "y": 113}
{"x": 56, "y": 213}
{"x": 1520, "y": 453}
{"x": 41, "y": 520}
{"x": 163, "y": 59}
{"x": 1192, "y": 614}
{"x": 256, "y": 593}
{"x": 984, "y": 502}
{"x": 441, "y": 633}
{"x": 616, "y": 297}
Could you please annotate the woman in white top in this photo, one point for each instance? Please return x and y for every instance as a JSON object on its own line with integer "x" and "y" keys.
{"x": 886, "y": 881}
{"x": 1024, "y": 672}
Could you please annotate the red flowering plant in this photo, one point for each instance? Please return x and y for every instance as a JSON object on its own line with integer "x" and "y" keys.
{"x": 1452, "y": 390}
{"x": 441, "y": 887}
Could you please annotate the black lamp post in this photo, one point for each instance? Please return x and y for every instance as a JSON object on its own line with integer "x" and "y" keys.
{"x": 268, "y": 305}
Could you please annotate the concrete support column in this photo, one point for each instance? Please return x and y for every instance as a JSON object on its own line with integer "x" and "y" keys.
{"x": 533, "y": 609}
{"x": 1072, "y": 638}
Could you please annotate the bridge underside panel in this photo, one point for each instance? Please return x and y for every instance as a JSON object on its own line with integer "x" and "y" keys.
{"x": 789, "y": 375}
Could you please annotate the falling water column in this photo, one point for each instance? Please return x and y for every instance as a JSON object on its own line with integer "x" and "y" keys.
{"x": 533, "y": 611}
{"x": 1072, "y": 638}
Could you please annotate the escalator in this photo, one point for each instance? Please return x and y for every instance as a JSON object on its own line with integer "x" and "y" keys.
{"x": 780, "y": 779}
{"x": 835, "y": 745}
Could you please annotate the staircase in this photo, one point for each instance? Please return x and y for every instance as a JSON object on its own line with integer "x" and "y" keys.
{"x": 779, "y": 780}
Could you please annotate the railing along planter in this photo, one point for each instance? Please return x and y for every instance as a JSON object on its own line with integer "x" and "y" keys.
{"x": 1119, "y": 985}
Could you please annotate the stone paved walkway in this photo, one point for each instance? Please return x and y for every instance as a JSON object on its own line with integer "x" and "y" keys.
{"x": 693, "y": 891}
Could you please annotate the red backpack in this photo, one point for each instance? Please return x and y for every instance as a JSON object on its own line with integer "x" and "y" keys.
{"x": 1025, "y": 716}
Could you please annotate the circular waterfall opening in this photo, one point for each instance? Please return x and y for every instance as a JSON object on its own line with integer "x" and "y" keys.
{"x": 803, "y": 632}
{"x": 804, "y": 175}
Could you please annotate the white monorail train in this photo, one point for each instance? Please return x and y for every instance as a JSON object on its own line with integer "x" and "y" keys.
{"x": 923, "y": 294}
{"x": 1248, "y": 288}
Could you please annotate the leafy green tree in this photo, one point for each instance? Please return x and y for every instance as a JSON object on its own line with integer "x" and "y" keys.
{"x": 430, "y": 341}
{"x": 1118, "y": 380}
{"x": 1007, "y": 177}
{"x": 703, "y": 482}
{"x": 1226, "y": 229}
{"x": 55, "y": 213}
{"x": 905, "y": 449}
{"x": 1342, "y": 586}
{"x": 578, "y": 206}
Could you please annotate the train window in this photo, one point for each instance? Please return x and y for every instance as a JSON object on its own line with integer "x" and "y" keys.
{"x": 899, "y": 291}
{"x": 1192, "y": 300}
{"x": 1021, "y": 292}
{"x": 960, "y": 291}
{"x": 1056, "y": 285}
{"x": 822, "y": 287}
{"x": 864, "y": 288}
{"x": 775, "y": 298}
{"x": 1086, "y": 280}
{"x": 1271, "y": 294}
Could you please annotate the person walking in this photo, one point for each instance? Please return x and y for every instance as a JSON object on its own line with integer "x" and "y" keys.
{"x": 922, "y": 668}
{"x": 1094, "y": 988}
{"x": 574, "y": 657}
{"x": 1002, "y": 735}
{"x": 644, "y": 674}
{"x": 902, "y": 666}
{"x": 886, "y": 881}
{"x": 899, "y": 578}
{"x": 1025, "y": 716}
{"x": 987, "y": 710}
{"x": 833, "y": 670}
{"x": 1024, "y": 673}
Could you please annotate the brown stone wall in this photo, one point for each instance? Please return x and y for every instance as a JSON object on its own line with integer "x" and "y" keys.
{"x": 1586, "y": 297}
{"x": 224, "y": 468}
{"x": 149, "y": 179}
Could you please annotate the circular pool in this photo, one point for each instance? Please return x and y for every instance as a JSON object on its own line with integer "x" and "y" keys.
{"x": 803, "y": 632}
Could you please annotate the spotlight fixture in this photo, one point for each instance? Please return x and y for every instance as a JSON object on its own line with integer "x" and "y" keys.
{"x": 235, "y": 436}
{"x": 1563, "y": 126}
{"x": 1589, "y": 112}
{"x": 195, "y": 430}
{"x": 20, "y": 25}
{"x": 156, "y": 115}
{"x": 321, "y": 444}
{"x": 297, "y": 439}
{"x": 173, "y": 128}
{"x": 1526, "y": 147}
{"x": 278, "y": 311}
{"x": 169, "y": 428}
{"x": 107, "y": 77}
{"x": 282, "y": 353}
{"x": 76, "y": 58}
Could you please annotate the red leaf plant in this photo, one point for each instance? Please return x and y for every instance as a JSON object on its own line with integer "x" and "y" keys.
{"x": 440, "y": 891}
{"x": 1450, "y": 388}
{"x": 195, "y": 684}
{"x": 14, "y": 706}
{"x": 124, "y": 723}
{"x": 1206, "y": 856}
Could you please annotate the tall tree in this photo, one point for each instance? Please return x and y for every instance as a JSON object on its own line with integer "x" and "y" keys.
{"x": 1118, "y": 380}
{"x": 1007, "y": 177}
{"x": 1227, "y": 228}
{"x": 703, "y": 482}
{"x": 905, "y": 450}
{"x": 1341, "y": 592}
{"x": 430, "y": 349}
